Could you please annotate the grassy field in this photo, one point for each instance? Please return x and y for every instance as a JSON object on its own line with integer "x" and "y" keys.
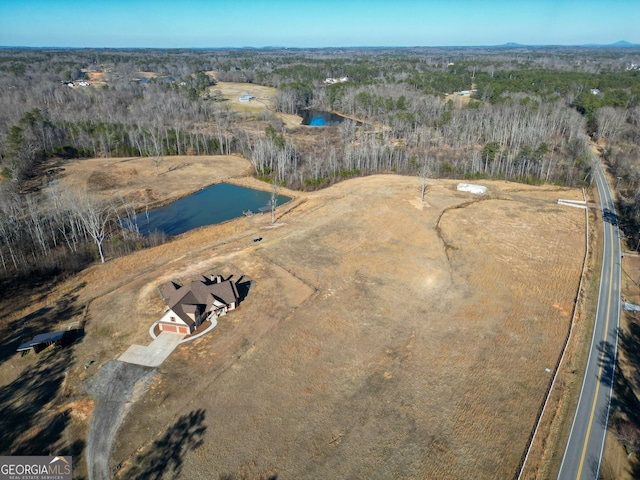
{"x": 548, "y": 448}
{"x": 137, "y": 180}
{"x": 232, "y": 92}
{"x": 381, "y": 338}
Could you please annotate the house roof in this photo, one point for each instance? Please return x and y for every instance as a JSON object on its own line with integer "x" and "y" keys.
{"x": 190, "y": 308}
{"x": 168, "y": 290}
{"x": 198, "y": 294}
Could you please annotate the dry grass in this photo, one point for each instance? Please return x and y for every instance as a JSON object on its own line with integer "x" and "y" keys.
{"x": 362, "y": 342}
{"x": 617, "y": 463}
{"x": 380, "y": 339}
{"x": 233, "y": 91}
{"x": 135, "y": 178}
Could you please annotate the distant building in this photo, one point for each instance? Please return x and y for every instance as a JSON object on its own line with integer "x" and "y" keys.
{"x": 331, "y": 80}
{"x": 247, "y": 98}
{"x": 471, "y": 188}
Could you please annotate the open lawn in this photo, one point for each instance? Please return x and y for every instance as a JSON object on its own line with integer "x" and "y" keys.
{"x": 380, "y": 338}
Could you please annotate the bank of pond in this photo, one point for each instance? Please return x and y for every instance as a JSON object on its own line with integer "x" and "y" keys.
{"x": 320, "y": 118}
{"x": 212, "y": 205}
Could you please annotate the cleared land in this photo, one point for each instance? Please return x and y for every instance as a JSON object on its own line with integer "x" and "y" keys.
{"x": 381, "y": 338}
{"x": 232, "y": 92}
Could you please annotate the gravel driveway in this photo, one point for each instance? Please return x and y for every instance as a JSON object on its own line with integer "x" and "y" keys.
{"x": 112, "y": 388}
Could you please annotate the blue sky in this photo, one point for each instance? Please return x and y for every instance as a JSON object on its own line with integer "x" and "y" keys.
{"x": 319, "y": 23}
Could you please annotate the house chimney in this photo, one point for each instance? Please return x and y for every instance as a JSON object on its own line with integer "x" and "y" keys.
{"x": 218, "y": 278}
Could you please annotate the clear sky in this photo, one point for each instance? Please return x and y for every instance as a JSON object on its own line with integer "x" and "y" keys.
{"x": 318, "y": 23}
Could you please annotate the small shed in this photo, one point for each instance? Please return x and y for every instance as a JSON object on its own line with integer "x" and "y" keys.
{"x": 42, "y": 341}
{"x": 471, "y": 188}
{"x": 247, "y": 97}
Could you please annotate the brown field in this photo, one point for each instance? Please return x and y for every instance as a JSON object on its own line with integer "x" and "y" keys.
{"x": 458, "y": 100}
{"x": 381, "y": 338}
{"x": 233, "y": 91}
{"x": 136, "y": 178}
{"x": 97, "y": 79}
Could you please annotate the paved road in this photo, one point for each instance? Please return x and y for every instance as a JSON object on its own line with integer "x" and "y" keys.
{"x": 583, "y": 455}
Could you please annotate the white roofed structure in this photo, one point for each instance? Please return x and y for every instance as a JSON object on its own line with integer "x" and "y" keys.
{"x": 471, "y": 188}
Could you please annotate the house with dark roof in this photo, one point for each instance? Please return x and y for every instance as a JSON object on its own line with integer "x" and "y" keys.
{"x": 190, "y": 305}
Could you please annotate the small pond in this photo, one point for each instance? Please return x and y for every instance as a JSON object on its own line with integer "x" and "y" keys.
{"x": 215, "y": 204}
{"x": 319, "y": 118}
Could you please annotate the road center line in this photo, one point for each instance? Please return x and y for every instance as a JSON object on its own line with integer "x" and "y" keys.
{"x": 606, "y": 330}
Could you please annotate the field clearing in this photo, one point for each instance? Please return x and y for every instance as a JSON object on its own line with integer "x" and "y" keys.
{"x": 403, "y": 364}
{"x": 136, "y": 178}
{"x": 381, "y": 338}
{"x": 232, "y": 91}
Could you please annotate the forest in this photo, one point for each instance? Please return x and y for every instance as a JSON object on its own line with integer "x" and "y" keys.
{"x": 521, "y": 114}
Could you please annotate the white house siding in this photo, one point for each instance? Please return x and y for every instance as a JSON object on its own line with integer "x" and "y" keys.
{"x": 179, "y": 323}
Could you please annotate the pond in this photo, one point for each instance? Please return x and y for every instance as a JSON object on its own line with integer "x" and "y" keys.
{"x": 215, "y": 204}
{"x": 319, "y": 118}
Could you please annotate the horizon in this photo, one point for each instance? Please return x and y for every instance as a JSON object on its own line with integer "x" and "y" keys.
{"x": 201, "y": 24}
{"x": 618, "y": 44}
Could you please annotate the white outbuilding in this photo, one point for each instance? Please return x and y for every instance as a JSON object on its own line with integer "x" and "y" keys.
{"x": 471, "y": 188}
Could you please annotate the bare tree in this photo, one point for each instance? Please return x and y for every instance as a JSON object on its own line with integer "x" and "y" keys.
{"x": 424, "y": 174}
{"x": 275, "y": 185}
{"x": 610, "y": 121}
{"x": 156, "y": 159}
{"x": 94, "y": 216}
{"x": 629, "y": 435}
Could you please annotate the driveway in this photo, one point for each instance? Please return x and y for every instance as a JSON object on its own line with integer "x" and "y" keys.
{"x": 153, "y": 354}
{"x": 112, "y": 388}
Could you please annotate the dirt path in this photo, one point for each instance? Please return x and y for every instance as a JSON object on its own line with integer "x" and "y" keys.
{"x": 113, "y": 389}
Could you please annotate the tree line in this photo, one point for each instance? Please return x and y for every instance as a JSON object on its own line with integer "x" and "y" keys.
{"x": 524, "y": 122}
{"x": 61, "y": 230}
